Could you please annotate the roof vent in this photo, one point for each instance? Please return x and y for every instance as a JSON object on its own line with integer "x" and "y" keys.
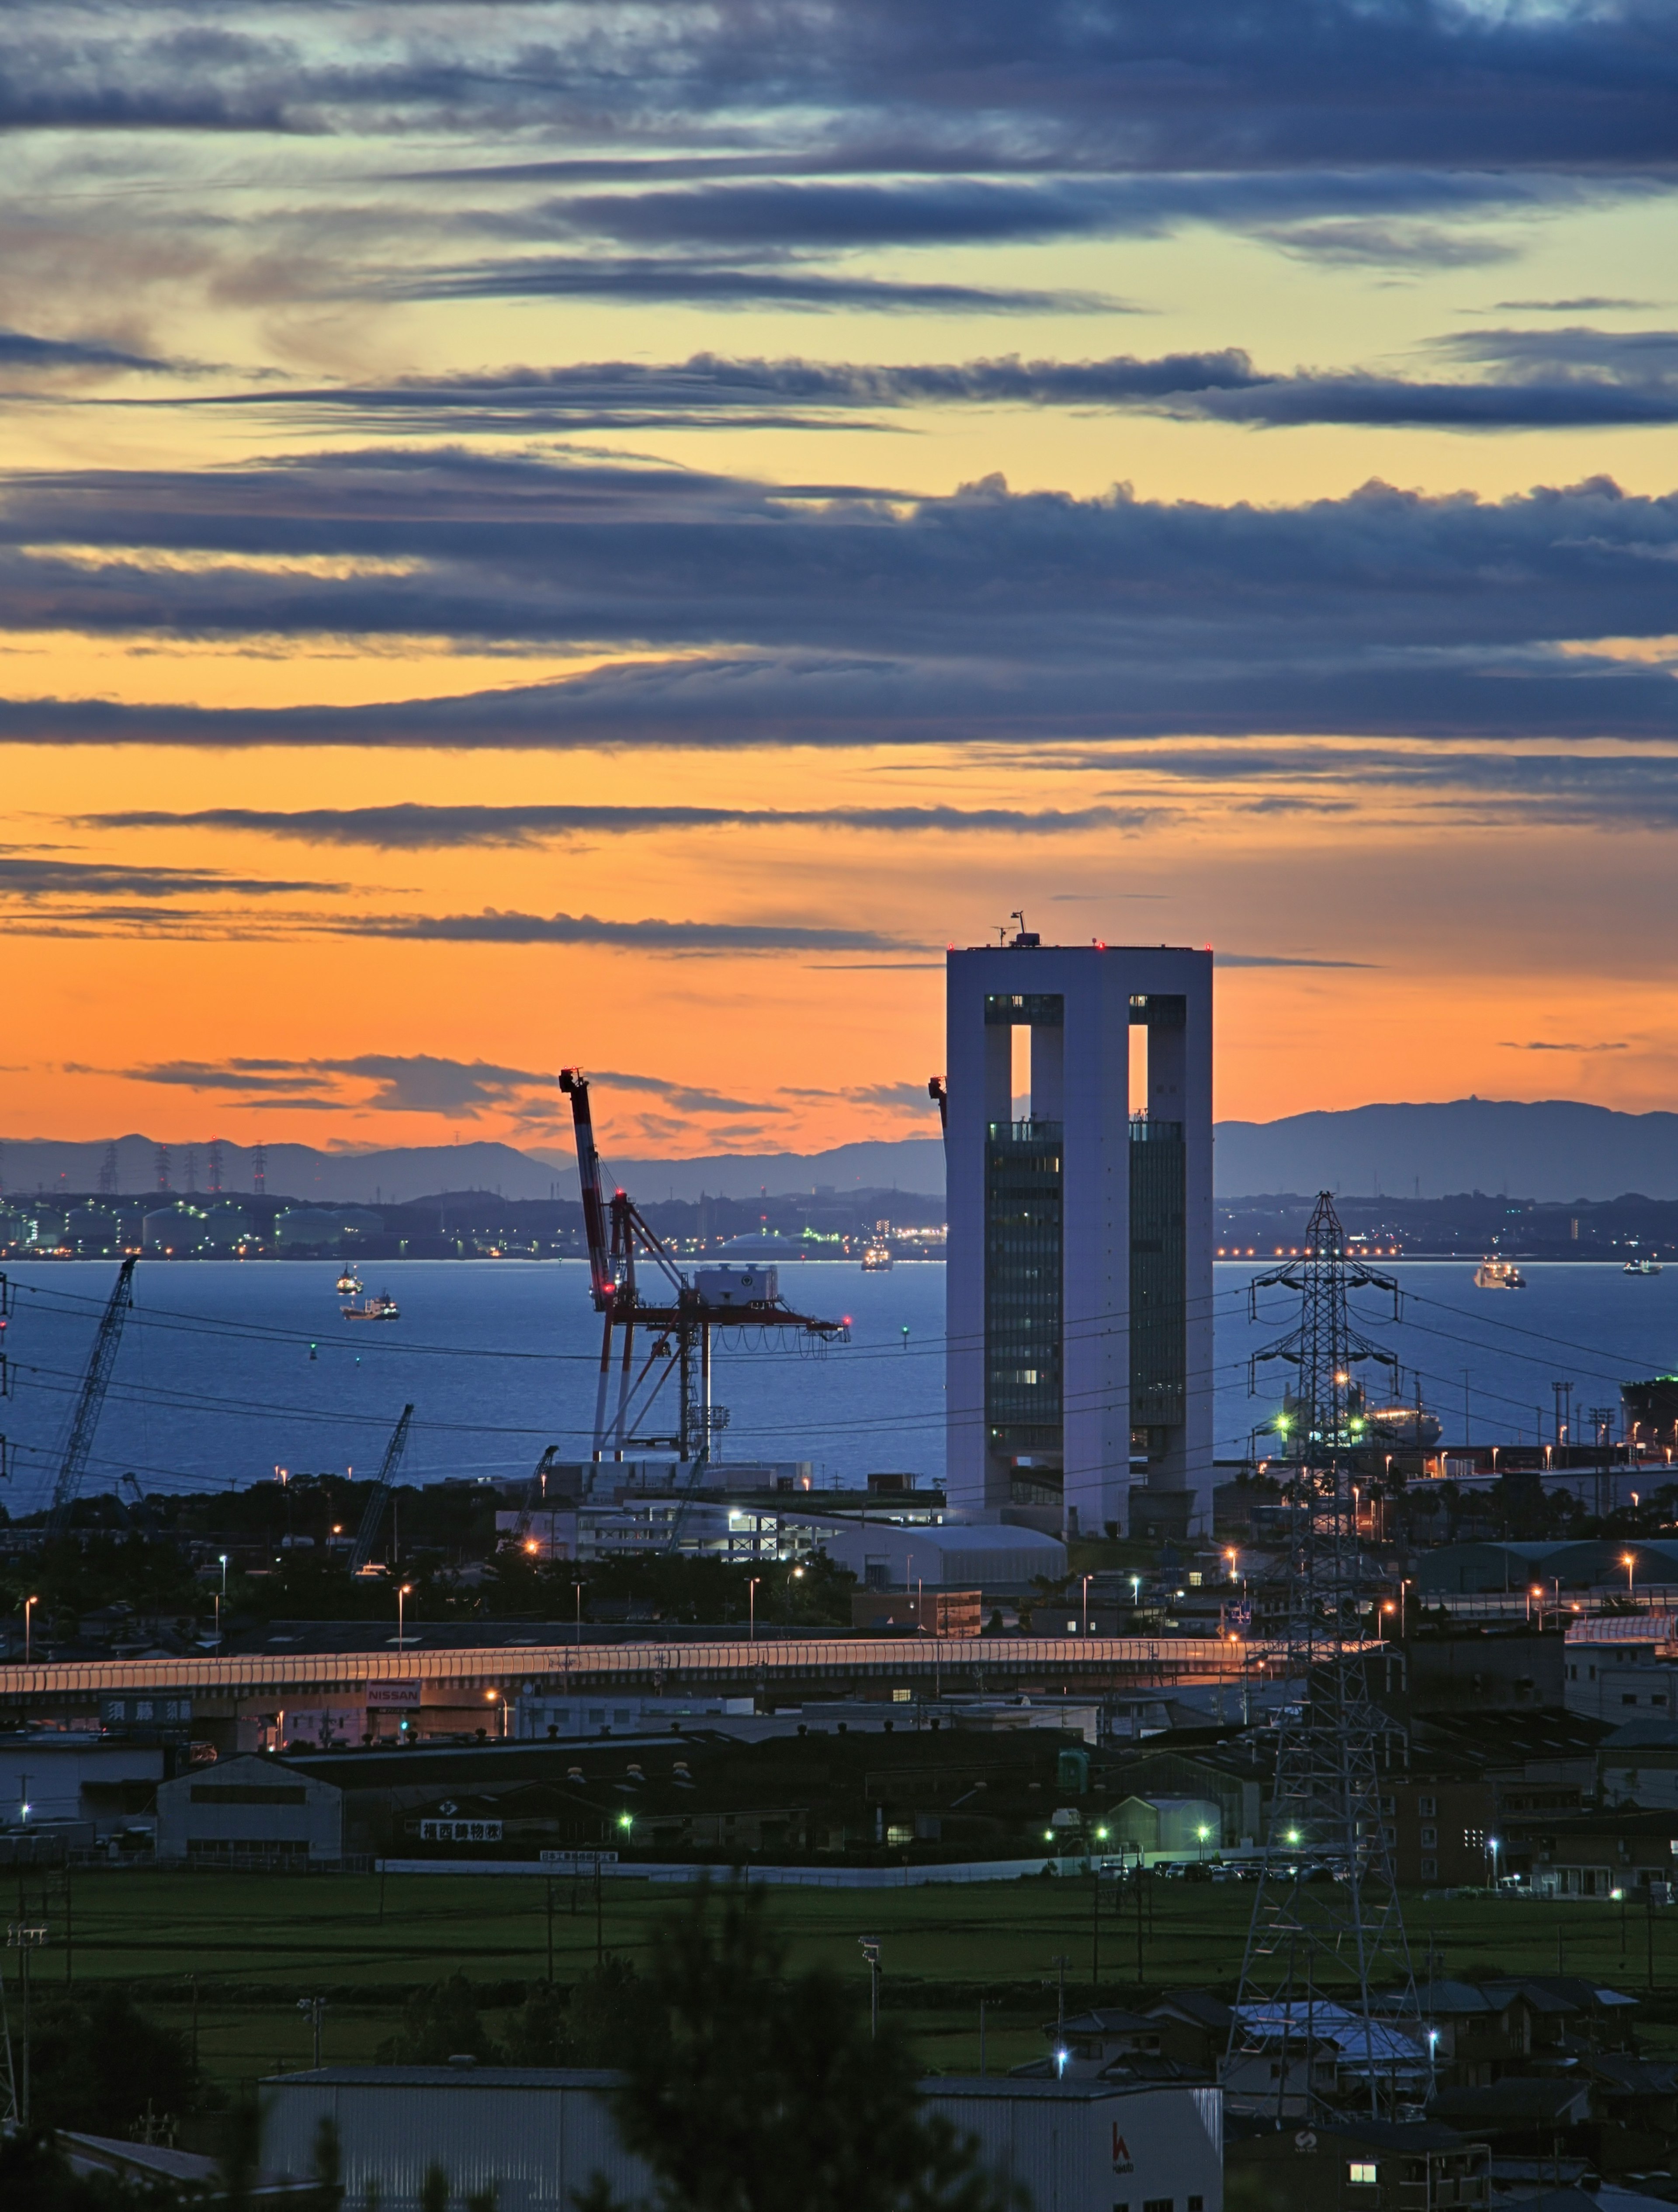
{"x": 462, "y": 2058}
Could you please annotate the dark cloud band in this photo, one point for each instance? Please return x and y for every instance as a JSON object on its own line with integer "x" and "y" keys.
{"x": 823, "y": 615}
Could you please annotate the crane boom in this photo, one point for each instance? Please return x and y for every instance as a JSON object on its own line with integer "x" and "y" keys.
{"x": 574, "y": 1084}
{"x": 368, "y": 1534}
{"x": 535, "y": 1494}
{"x": 85, "y": 1421}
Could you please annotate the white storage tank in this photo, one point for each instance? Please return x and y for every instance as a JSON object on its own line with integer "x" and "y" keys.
{"x": 737, "y": 1286}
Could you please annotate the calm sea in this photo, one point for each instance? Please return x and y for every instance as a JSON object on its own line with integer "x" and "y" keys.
{"x": 226, "y": 1371}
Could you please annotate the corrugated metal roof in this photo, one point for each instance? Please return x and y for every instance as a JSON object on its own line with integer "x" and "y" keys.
{"x": 451, "y": 2077}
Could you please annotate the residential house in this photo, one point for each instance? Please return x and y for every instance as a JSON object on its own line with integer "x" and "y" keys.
{"x": 1352, "y": 2165}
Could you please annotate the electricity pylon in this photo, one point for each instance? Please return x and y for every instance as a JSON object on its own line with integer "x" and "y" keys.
{"x": 1327, "y": 1932}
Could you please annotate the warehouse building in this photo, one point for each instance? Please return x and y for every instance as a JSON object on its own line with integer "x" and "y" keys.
{"x": 536, "y": 2136}
{"x": 250, "y": 1811}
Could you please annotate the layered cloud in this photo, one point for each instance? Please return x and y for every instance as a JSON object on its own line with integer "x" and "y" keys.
{"x": 843, "y": 617}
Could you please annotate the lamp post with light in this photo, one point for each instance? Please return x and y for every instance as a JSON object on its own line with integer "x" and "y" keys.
{"x": 403, "y": 1592}
{"x": 1097, "y": 1836}
{"x": 751, "y": 1609}
{"x": 1628, "y": 1560}
{"x": 1086, "y": 1581}
{"x": 29, "y": 1604}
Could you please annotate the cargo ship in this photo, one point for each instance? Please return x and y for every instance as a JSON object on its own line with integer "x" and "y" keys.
{"x": 381, "y": 1306}
{"x": 1499, "y": 1275}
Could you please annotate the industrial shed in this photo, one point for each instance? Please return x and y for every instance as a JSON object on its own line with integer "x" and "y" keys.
{"x": 992, "y": 1556}
{"x": 536, "y": 2134}
{"x": 250, "y": 1811}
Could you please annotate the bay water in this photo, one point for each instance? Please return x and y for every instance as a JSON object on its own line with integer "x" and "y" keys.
{"x": 227, "y": 1370}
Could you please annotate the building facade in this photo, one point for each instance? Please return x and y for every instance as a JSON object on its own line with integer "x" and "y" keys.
{"x": 1079, "y": 1275}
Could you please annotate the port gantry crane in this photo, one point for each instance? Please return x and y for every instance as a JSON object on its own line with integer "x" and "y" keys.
{"x": 677, "y": 1317}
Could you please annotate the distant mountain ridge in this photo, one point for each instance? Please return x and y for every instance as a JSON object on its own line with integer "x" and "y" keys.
{"x": 414, "y": 1171}
{"x": 1554, "y": 1150}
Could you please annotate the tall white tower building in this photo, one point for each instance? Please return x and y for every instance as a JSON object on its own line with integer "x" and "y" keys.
{"x": 1079, "y": 1149}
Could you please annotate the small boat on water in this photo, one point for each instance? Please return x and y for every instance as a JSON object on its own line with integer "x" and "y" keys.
{"x": 877, "y": 1259}
{"x": 1641, "y": 1267}
{"x": 381, "y": 1306}
{"x": 348, "y": 1283}
{"x": 1499, "y": 1275}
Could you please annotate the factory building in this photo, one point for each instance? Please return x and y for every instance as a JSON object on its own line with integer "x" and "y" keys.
{"x": 1079, "y": 1149}
{"x": 536, "y": 2136}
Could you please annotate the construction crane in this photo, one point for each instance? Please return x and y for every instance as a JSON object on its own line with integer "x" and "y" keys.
{"x": 85, "y": 1421}
{"x": 368, "y": 1534}
{"x": 677, "y": 1317}
{"x": 535, "y": 1494}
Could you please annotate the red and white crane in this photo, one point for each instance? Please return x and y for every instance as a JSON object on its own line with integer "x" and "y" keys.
{"x": 675, "y": 1314}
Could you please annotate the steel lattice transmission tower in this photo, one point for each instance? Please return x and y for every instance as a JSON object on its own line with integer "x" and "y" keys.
{"x": 1327, "y": 1933}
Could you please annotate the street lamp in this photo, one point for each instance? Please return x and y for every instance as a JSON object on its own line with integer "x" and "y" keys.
{"x": 1628, "y": 1560}
{"x": 224, "y": 1577}
{"x": 1202, "y": 1833}
{"x": 29, "y": 1604}
{"x": 752, "y": 1607}
{"x": 403, "y": 1592}
{"x": 1086, "y": 1580}
{"x": 1492, "y": 1848}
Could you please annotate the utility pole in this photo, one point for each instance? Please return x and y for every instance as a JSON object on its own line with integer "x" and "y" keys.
{"x": 314, "y": 2007}
{"x": 23, "y": 1937}
{"x": 1602, "y": 1420}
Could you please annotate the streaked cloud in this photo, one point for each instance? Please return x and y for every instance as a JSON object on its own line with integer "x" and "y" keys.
{"x": 1282, "y": 960}
{"x": 413, "y": 828}
{"x": 494, "y": 927}
{"x": 1541, "y": 1044}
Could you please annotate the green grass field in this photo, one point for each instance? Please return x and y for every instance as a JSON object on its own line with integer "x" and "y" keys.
{"x": 239, "y": 1950}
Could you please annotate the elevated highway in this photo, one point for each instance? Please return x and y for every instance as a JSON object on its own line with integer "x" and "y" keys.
{"x": 205, "y": 1685}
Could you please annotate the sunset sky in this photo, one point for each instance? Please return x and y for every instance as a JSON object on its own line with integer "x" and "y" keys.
{"x": 611, "y": 534}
